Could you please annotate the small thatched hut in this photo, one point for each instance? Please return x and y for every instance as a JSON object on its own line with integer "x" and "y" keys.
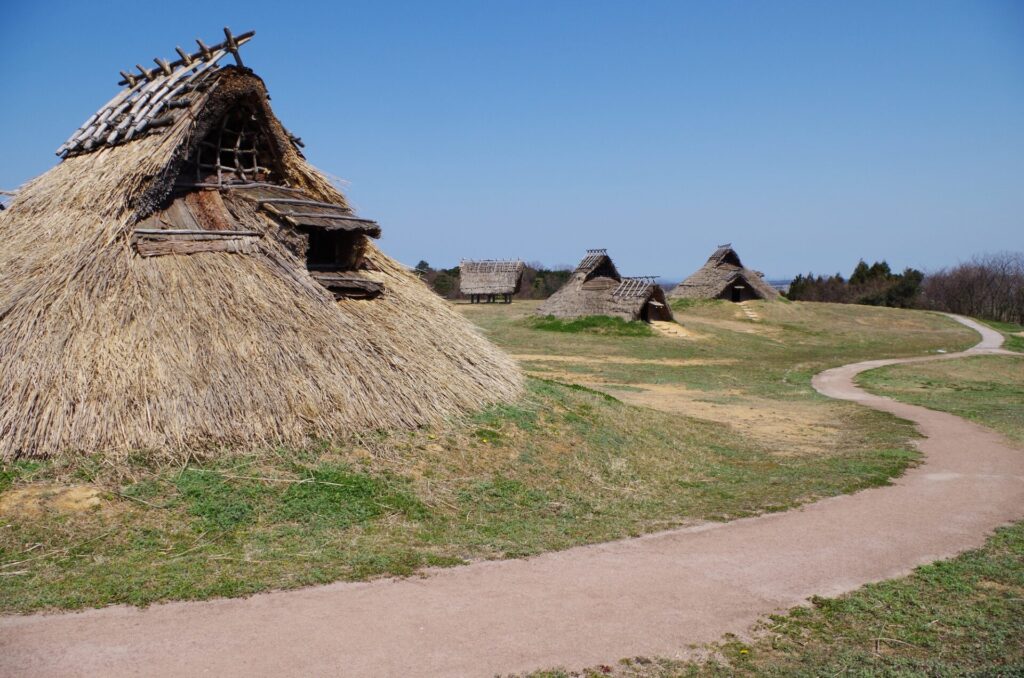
{"x": 724, "y": 277}
{"x": 183, "y": 279}
{"x": 488, "y": 278}
{"x": 596, "y": 288}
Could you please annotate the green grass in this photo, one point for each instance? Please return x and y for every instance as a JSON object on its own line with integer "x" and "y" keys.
{"x": 986, "y": 389}
{"x": 956, "y": 617}
{"x": 775, "y": 358}
{"x": 563, "y": 466}
{"x": 593, "y": 324}
{"x": 1014, "y": 341}
{"x": 692, "y": 304}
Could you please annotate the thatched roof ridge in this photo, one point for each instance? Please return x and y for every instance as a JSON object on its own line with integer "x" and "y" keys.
{"x": 153, "y": 98}
{"x": 490, "y": 276}
{"x": 103, "y": 350}
{"x": 593, "y": 259}
{"x": 717, "y": 277}
{"x": 725, "y": 254}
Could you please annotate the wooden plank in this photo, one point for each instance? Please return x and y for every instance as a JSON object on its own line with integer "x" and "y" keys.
{"x": 348, "y": 285}
{"x": 246, "y": 187}
{"x": 302, "y": 201}
{"x": 336, "y": 224}
{"x": 327, "y": 215}
{"x": 178, "y": 216}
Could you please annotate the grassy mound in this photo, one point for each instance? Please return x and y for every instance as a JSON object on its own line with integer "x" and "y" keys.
{"x": 564, "y": 466}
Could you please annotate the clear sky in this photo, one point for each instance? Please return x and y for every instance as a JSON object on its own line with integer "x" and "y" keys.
{"x": 809, "y": 134}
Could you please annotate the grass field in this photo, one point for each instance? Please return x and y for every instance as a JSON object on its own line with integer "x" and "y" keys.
{"x": 737, "y": 431}
{"x": 985, "y": 389}
{"x": 593, "y": 324}
{"x": 952, "y": 618}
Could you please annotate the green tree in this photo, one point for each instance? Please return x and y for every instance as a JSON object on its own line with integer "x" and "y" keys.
{"x": 860, "y": 274}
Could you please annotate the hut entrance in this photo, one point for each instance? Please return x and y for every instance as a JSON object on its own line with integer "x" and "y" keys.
{"x": 737, "y": 292}
{"x": 655, "y": 310}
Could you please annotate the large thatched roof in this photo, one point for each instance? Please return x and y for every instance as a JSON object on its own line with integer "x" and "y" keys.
{"x": 597, "y": 288}
{"x": 490, "y": 276}
{"x": 723, "y": 276}
{"x": 184, "y": 278}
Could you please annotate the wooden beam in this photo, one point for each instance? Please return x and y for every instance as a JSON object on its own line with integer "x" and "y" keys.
{"x": 184, "y": 232}
{"x": 205, "y": 53}
{"x": 232, "y": 46}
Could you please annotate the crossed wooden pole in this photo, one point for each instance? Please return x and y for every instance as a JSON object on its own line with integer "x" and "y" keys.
{"x": 205, "y": 53}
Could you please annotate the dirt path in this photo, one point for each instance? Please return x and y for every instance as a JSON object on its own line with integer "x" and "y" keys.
{"x": 749, "y": 312}
{"x": 674, "y": 330}
{"x": 647, "y": 596}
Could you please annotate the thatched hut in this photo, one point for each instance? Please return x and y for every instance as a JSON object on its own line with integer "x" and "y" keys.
{"x": 183, "y": 280}
{"x": 724, "y": 277}
{"x": 596, "y": 288}
{"x": 488, "y": 278}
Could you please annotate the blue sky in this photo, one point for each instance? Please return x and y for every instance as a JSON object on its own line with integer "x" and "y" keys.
{"x": 809, "y": 134}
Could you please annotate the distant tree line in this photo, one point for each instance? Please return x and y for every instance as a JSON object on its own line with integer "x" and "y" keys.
{"x": 990, "y": 286}
{"x": 538, "y": 282}
{"x": 875, "y": 285}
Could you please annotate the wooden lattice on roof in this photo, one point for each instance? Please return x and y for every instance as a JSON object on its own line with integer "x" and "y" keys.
{"x": 634, "y": 287}
{"x": 153, "y": 98}
{"x": 592, "y": 259}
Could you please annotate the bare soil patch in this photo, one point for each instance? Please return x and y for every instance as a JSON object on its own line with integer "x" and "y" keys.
{"x": 786, "y": 428}
{"x": 676, "y": 331}
{"x": 745, "y": 326}
{"x": 34, "y": 500}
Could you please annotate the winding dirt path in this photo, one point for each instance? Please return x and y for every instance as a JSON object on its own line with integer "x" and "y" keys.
{"x": 647, "y": 596}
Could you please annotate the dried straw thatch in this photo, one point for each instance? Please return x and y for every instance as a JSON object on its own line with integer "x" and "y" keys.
{"x": 490, "y": 277}
{"x": 120, "y": 329}
{"x": 597, "y": 288}
{"x": 724, "y": 277}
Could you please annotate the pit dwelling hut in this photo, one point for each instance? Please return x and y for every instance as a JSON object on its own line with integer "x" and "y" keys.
{"x": 597, "y": 288}
{"x": 183, "y": 279}
{"x": 724, "y": 277}
{"x": 488, "y": 278}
